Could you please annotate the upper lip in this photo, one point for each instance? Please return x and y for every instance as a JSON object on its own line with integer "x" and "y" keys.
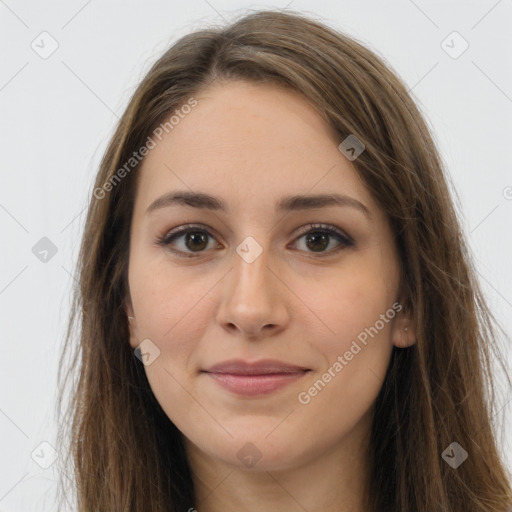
{"x": 262, "y": 367}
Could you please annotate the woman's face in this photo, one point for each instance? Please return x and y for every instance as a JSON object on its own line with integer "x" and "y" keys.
{"x": 257, "y": 277}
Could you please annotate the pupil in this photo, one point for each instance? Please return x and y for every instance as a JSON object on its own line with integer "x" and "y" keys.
{"x": 320, "y": 240}
{"x": 196, "y": 238}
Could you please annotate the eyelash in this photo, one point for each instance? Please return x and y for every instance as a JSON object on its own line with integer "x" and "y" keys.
{"x": 345, "y": 240}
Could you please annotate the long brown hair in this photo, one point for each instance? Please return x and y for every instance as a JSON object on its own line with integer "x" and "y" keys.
{"x": 124, "y": 452}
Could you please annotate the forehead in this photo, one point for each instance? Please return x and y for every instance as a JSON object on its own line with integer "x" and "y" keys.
{"x": 245, "y": 140}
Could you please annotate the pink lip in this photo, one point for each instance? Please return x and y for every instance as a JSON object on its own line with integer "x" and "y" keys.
{"x": 257, "y": 378}
{"x": 250, "y": 385}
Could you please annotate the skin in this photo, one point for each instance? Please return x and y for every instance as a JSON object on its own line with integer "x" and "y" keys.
{"x": 250, "y": 145}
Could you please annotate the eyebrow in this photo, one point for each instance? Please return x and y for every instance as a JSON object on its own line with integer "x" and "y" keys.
{"x": 286, "y": 204}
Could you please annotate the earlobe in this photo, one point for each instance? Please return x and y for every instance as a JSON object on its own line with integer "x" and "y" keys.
{"x": 133, "y": 333}
{"x": 404, "y": 332}
{"x": 132, "y": 326}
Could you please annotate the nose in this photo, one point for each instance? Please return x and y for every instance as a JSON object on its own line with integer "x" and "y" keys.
{"x": 253, "y": 300}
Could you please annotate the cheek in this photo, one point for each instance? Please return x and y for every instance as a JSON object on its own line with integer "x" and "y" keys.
{"x": 355, "y": 355}
{"x": 168, "y": 302}
{"x": 173, "y": 310}
{"x": 354, "y": 302}
{"x": 356, "y": 352}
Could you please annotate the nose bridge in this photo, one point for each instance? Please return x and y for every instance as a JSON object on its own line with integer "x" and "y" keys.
{"x": 250, "y": 260}
{"x": 250, "y": 279}
{"x": 251, "y": 296}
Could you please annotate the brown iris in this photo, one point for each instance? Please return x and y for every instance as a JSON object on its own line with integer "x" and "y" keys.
{"x": 318, "y": 240}
{"x": 196, "y": 240}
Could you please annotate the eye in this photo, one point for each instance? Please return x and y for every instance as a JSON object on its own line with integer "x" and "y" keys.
{"x": 189, "y": 239}
{"x": 319, "y": 237}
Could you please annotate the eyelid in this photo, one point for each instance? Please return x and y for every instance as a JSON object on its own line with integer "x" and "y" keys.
{"x": 182, "y": 229}
{"x": 324, "y": 227}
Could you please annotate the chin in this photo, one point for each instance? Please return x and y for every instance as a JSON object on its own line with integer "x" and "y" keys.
{"x": 258, "y": 452}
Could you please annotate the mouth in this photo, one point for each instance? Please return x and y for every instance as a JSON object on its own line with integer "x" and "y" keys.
{"x": 254, "y": 378}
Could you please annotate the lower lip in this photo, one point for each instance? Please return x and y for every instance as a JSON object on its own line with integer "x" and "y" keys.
{"x": 252, "y": 385}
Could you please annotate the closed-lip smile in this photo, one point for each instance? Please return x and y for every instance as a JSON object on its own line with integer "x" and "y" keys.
{"x": 255, "y": 378}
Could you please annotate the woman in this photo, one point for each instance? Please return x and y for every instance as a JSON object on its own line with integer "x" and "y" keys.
{"x": 277, "y": 308}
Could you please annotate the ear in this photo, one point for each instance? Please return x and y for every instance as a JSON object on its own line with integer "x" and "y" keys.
{"x": 403, "y": 333}
{"x": 132, "y": 325}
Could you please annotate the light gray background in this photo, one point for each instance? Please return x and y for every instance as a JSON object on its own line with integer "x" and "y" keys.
{"x": 58, "y": 113}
